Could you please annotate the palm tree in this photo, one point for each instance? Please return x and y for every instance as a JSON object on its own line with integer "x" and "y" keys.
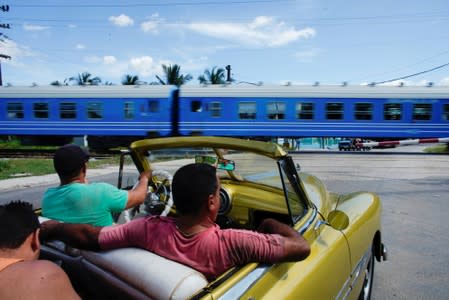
{"x": 131, "y": 80}
{"x": 85, "y": 78}
{"x": 59, "y": 83}
{"x": 214, "y": 76}
{"x": 173, "y": 76}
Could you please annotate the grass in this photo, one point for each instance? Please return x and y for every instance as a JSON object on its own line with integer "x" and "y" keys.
{"x": 22, "y": 167}
{"x": 440, "y": 148}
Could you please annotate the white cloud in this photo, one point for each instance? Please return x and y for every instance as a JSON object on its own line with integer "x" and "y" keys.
{"x": 121, "y": 21}
{"x": 109, "y": 60}
{"x": 28, "y": 27}
{"x": 152, "y": 25}
{"x": 261, "y": 21}
{"x": 16, "y": 51}
{"x": 80, "y": 47}
{"x": 93, "y": 59}
{"x": 149, "y": 26}
{"x": 444, "y": 81}
{"x": 143, "y": 65}
{"x": 263, "y": 31}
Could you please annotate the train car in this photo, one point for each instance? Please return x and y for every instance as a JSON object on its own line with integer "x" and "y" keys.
{"x": 107, "y": 115}
{"x": 115, "y": 115}
{"x": 315, "y": 111}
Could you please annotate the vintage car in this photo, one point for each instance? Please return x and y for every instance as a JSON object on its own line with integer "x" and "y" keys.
{"x": 259, "y": 180}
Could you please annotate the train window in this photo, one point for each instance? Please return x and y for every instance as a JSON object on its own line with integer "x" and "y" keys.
{"x": 40, "y": 110}
{"x": 304, "y": 110}
{"x": 334, "y": 111}
{"x": 363, "y": 111}
{"x": 247, "y": 110}
{"x": 94, "y": 110}
{"x": 154, "y": 106}
{"x": 446, "y": 112}
{"x": 195, "y": 106}
{"x": 392, "y": 111}
{"x": 422, "y": 111}
{"x": 67, "y": 110}
{"x": 15, "y": 110}
{"x": 276, "y": 110}
{"x": 129, "y": 110}
{"x": 215, "y": 109}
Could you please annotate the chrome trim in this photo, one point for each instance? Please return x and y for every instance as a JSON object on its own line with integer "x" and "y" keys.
{"x": 346, "y": 287}
{"x": 243, "y": 285}
{"x": 384, "y": 253}
{"x": 354, "y": 276}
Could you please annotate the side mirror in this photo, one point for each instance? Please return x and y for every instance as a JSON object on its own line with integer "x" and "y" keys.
{"x": 338, "y": 219}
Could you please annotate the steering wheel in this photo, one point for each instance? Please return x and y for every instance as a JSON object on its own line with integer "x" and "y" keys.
{"x": 159, "y": 198}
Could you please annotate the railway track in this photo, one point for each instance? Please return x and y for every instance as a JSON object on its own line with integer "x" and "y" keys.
{"x": 42, "y": 153}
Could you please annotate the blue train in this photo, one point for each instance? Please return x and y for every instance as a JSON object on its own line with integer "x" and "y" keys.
{"x": 113, "y": 115}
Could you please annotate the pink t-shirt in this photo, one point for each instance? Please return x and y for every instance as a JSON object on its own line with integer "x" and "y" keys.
{"x": 211, "y": 252}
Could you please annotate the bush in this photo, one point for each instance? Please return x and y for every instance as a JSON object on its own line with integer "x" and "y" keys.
{"x": 4, "y": 165}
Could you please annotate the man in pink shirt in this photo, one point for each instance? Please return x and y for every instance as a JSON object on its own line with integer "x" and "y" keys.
{"x": 192, "y": 238}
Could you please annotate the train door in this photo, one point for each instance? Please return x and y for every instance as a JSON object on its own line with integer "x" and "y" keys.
{"x": 198, "y": 115}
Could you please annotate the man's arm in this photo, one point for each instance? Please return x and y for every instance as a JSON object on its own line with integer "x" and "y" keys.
{"x": 76, "y": 235}
{"x": 295, "y": 246}
{"x": 137, "y": 195}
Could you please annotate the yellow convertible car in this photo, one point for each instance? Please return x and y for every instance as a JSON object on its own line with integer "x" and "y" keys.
{"x": 259, "y": 180}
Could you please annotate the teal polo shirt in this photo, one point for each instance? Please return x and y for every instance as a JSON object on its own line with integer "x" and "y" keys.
{"x": 91, "y": 203}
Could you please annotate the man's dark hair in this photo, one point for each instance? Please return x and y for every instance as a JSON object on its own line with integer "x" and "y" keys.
{"x": 17, "y": 222}
{"x": 192, "y": 184}
{"x": 69, "y": 160}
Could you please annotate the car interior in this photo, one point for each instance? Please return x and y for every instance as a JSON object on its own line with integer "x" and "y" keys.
{"x": 132, "y": 273}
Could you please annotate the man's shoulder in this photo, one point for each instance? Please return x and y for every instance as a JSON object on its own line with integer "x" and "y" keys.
{"x": 37, "y": 279}
{"x": 33, "y": 270}
{"x": 39, "y": 268}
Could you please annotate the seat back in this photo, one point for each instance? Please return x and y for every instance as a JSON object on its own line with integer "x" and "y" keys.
{"x": 126, "y": 272}
{"x": 155, "y": 276}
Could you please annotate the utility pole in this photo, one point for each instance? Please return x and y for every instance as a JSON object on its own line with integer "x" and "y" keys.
{"x": 6, "y": 57}
{"x": 228, "y": 69}
{"x": 3, "y": 8}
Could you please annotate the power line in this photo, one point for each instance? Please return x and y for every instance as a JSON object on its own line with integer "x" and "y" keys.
{"x": 151, "y": 4}
{"x": 412, "y": 75}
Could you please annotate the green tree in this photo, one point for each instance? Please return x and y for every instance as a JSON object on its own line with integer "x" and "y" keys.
{"x": 131, "y": 80}
{"x": 59, "y": 83}
{"x": 214, "y": 76}
{"x": 85, "y": 78}
{"x": 173, "y": 76}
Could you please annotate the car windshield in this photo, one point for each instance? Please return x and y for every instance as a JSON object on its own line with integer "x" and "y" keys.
{"x": 247, "y": 166}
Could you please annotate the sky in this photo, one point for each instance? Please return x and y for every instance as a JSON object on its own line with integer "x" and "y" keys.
{"x": 271, "y": 42}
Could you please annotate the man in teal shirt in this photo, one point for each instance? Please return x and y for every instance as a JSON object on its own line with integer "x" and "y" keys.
{"x": 77, "y": 201}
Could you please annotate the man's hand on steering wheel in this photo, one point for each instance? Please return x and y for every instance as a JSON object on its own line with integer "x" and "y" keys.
{"x": 146, "y": 174}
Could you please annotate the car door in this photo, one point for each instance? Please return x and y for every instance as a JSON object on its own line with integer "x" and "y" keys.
{"x": 325, "y": 273}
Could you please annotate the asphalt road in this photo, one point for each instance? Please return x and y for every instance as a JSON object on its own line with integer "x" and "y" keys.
{"x": 415, "y": 192}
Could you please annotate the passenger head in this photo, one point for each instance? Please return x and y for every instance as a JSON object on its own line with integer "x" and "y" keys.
{"x": 69, "y": 160}
{"x": 17, "y": 222}
{"x": 192, "y": 184}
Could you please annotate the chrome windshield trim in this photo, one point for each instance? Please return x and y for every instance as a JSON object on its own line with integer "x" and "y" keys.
{"x": 243, "y": 285}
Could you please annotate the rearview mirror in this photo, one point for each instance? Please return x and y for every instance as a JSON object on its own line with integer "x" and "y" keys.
{"x": 226, "y": 164}
{"x": 219, "y": 163}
